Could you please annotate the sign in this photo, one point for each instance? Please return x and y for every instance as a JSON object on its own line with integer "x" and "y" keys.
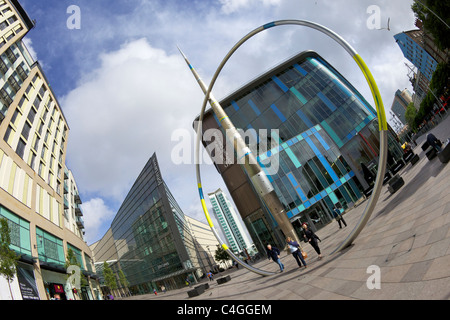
{"x": 27, "y": 283}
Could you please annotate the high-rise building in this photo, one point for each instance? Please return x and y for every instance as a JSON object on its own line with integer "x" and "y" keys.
{"x": 412, "y": 45}
{"x": 149, "y": 240}
{"x": 228, "y": 220}
{"x": 33, "y": 148}
{"x": 327, "y": 134}
{"x": 401, "y": 101}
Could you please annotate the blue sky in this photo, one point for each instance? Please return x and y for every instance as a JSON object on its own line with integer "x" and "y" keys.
{"x": 125, "y": 89}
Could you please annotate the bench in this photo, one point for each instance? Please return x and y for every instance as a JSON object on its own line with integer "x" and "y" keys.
{"x": 415, "y": 159}
{"x": 205, "y": 286}
{"x": 196, "y": 291}
{"x": 444, "y": 155}
{"x": 431, "y": 154}
{"x": 223, "y": 280}
{"x": 395, "y": 184}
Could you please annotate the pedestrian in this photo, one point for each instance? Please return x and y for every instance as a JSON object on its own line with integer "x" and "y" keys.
{"x": 312, "y": 238}
{"x": 188, "y": 283}
{"x": 339, "y": 217}
{"x": 163, "y": 289}
{"x": 210, "y": 275}
{"x": 155, "y": 292}
{"x": 434, "y": 142}
{"x": 297, "y": 251}
{"x": 274, "y": 254}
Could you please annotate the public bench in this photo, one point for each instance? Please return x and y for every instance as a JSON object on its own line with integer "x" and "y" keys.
{"x": 223, "y": 279}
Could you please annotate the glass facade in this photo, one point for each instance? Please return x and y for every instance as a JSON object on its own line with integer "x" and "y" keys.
{"x": 19, "y": 232}
{"x": 151, "y": 236}
{"x": 326, "y": 130}
{"x": 50, "y": 249}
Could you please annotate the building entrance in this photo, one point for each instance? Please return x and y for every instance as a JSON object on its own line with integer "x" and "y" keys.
{"x": 315, "y": 217}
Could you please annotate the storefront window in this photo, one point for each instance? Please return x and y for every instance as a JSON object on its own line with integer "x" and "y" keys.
{"x": 19, "y": 232}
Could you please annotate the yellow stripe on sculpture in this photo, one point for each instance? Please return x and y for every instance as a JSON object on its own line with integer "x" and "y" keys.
{"x": 375, "y": 92}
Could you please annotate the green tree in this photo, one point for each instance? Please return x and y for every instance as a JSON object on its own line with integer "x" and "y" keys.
{"x": 8, "y": 257}
{"x": 110, "y": 278}
{"x": 71, "y": 260}
{"x": 410, "y": 116}
{"x": 221, "y": 255}
{"x": 440, "y": 80}
{"x": 426, "y": 11}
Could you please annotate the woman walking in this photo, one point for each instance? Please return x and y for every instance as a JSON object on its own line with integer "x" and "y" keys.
{"x": 296, "y": 251}
{"x": 312, "y": 238}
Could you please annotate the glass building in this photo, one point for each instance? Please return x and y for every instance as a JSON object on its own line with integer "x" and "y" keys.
{"x": 150, "y": 238}
{"x": 327, "y": 133}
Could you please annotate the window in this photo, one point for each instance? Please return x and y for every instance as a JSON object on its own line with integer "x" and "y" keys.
{"x": 20, "y": 148}
{"x": 32, "y": 114}
{"x": 26, "y": 130}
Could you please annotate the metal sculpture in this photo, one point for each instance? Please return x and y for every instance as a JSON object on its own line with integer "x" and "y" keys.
{"x": 254, "y": 171}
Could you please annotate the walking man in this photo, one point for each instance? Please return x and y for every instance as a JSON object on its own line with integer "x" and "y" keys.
{"x": 274, "y": 254}
{"x": 338, "y": 217}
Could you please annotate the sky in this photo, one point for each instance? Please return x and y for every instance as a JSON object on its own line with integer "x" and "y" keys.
{"x": 126, "y": 91}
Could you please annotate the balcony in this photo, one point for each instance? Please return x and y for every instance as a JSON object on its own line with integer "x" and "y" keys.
{"x": 77, "y": 198}
{"x": 80, "y": 222}
{"x": 78, "y": 212}
{"x": 66, "y": 203}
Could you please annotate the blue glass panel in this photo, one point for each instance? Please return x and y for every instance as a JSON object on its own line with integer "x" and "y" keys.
{"x": 324, "y": 144}
{"x": 305, "y": 118}
{"x": 293, "y": 181}
{"x": 280, "y": 83}
{"x": 301, "y": 194}
{"x": 327, "y": 101}
{"x": 299, "y": 95}
{"x": 300, "y": 69}
{"x": 278, "y": 113}
{"x": 235, "y": 106}
{"x": 254, "y": 107}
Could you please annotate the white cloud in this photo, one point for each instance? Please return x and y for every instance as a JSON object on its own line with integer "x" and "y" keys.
{"x": 124, "y": 111}
{"x": 29, "y": 45}
{"x": 96, "y": 216}
{"x": 232, "y": 6}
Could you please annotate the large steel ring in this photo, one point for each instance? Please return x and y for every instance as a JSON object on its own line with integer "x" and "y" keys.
{"x": 383, "y": 127}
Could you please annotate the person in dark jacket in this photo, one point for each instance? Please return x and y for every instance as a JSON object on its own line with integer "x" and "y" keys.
{"x": 434, "y": 142}
{"x": 312, "y": 238}
{"x": 274, "y": 254}
{"x": 296, "y": 251}
{"x": 339, "y": 217}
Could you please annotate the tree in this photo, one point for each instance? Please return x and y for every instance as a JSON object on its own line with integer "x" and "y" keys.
{"x": 221, "y": 255}
{"x": 71, "y": 260}
{"x": 435, "y": 14}
{"x": 123, "y": 280}
{"x": 8, "y": 257}
{"x": 410, "y": 116}
{"x": 441, "y": 78}
{"x": 110, "y": 278}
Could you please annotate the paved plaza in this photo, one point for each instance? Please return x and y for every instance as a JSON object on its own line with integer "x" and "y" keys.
{"x": 407, "y": 238}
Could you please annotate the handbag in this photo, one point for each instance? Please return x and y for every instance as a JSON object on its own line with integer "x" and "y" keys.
{"x": 304, "y": 254}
